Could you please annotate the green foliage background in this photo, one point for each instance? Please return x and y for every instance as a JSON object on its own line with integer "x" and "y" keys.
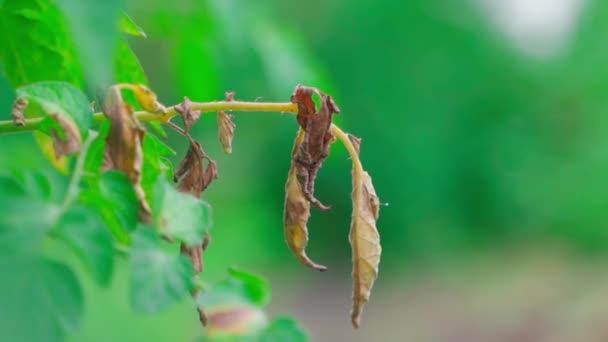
{"x": 476, "y": 146}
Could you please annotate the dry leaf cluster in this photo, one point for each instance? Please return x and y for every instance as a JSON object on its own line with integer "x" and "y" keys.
{"x": 197, "y": 171}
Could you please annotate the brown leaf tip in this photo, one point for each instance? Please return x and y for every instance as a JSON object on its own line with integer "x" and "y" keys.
{"x": 17, "y": 111}
{"x": 227, "y": 127}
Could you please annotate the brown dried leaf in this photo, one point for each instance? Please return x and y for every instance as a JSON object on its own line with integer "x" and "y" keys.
{"x": 295, "y": 219}
{"x": 191, "y": 174}
{"x": 364, "y": 240}
{"x": 148, "y": 100}
{"x": 123, "y": 146}
{"x": 17, "y": 112}
{"x": 65, "y": 143}
{"x": 356, "y": 141}
{"x": 309, "y": 156}
{"x": 188, "y": 115}
{"x": 226, "y": 129}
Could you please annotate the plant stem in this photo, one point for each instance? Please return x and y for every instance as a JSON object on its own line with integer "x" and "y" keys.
{"x": 74, "y": 185}
{"x": 32, "y": 124}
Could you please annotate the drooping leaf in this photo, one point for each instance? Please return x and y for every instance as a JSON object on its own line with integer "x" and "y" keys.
{"x": 127, "y": 25}
{"x": 158, "y": 278}
{"x": 41, "y": 300}
{"x": 123, "y": 146}
{"x": 314, "y": 149}
{"x": 84, "y": 231}
{"x": 283, "y": 329}
{"x": 296, "y": 214}
{"x": 180, "y": 215}
{"x": 192, "y": 175}
{"x": 364, "y": 240}
{"x": 226, "y": 130}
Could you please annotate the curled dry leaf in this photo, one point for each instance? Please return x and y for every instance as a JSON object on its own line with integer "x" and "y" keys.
{"x": 17, "y": 111}
{"x": 188, "y": 115}
{"x": 123, "y": 146}
{"x": 226, "y": 130}
{"x": 309, "y": 156}
{"x": 296, "y": 215}
{"x": 355, "y": 141}
{"x": 364, "y": 240}
{"x": 147, "y": 99}
{"x": 191, "y": 174}
{"x": 69, "y": 140}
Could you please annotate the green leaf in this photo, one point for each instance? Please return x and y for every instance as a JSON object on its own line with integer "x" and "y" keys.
{"x": 180, "y": 215}
{"x": 113, "y": 195}
{"x": 61, "y": 98}
{"x": 19, "y": 229}
{"x": 283, "y": 329}
{"x": 35, "y": 44}
{"x": 94, "y": 25}
{"x": 158, "y": 278}
{"x": 127, "y": 25}
{"x": 41, "y": 299}
{"x": 84, "y": 231}
{"x": 240, "y": 287}
{"x": 154, "y": 165}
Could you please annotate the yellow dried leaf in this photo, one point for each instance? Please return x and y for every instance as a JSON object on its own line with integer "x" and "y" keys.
{"x": 226, "y": 128}
{"x": 364, "y": 240}
{"x": 296, "y": 215}
{"x": 147, "y": 99}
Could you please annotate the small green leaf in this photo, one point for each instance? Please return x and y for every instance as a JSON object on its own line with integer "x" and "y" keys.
{"x": 61, "y": 98}
{"x": 158, "y": 278}
{"x": 283, "y": 329}
{"x": 41, "y": 300}
{"x": 240, "y": 287}
{"x": 84, "y": 231}
{"x": 127, "y": 25}
{"x": 180, "y": 215}
{"x": 154, "y": 165}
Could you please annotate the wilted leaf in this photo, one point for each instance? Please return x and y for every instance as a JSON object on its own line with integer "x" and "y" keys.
{"x": 314, "y": 149}
{"x": 17, "y": 111}
{"x": 364, "y": 240}
{"x": 123, "y": 146}
{"x": 226, "y": 130}
{"x": 296, "y": 215}
{"x": 189, "y": 115}
{"x": 356, "y": 141}
{"x": 147, "y": 99}
{"x": 192, "y": 175}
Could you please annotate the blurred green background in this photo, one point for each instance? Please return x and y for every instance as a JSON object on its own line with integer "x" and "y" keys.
{"x": 484, "y": 128}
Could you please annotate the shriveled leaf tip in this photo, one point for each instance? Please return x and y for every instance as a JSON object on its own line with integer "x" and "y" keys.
{"x": 148, "y": 100}
{"x": 17, "y": 111}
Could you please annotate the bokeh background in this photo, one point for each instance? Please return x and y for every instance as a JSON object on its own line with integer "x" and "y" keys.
{"x": 485, "y": 129}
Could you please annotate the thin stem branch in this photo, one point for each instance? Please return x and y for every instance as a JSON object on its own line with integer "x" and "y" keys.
{"x": 33, "y": 124}
{"x": 74, "y": 185}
